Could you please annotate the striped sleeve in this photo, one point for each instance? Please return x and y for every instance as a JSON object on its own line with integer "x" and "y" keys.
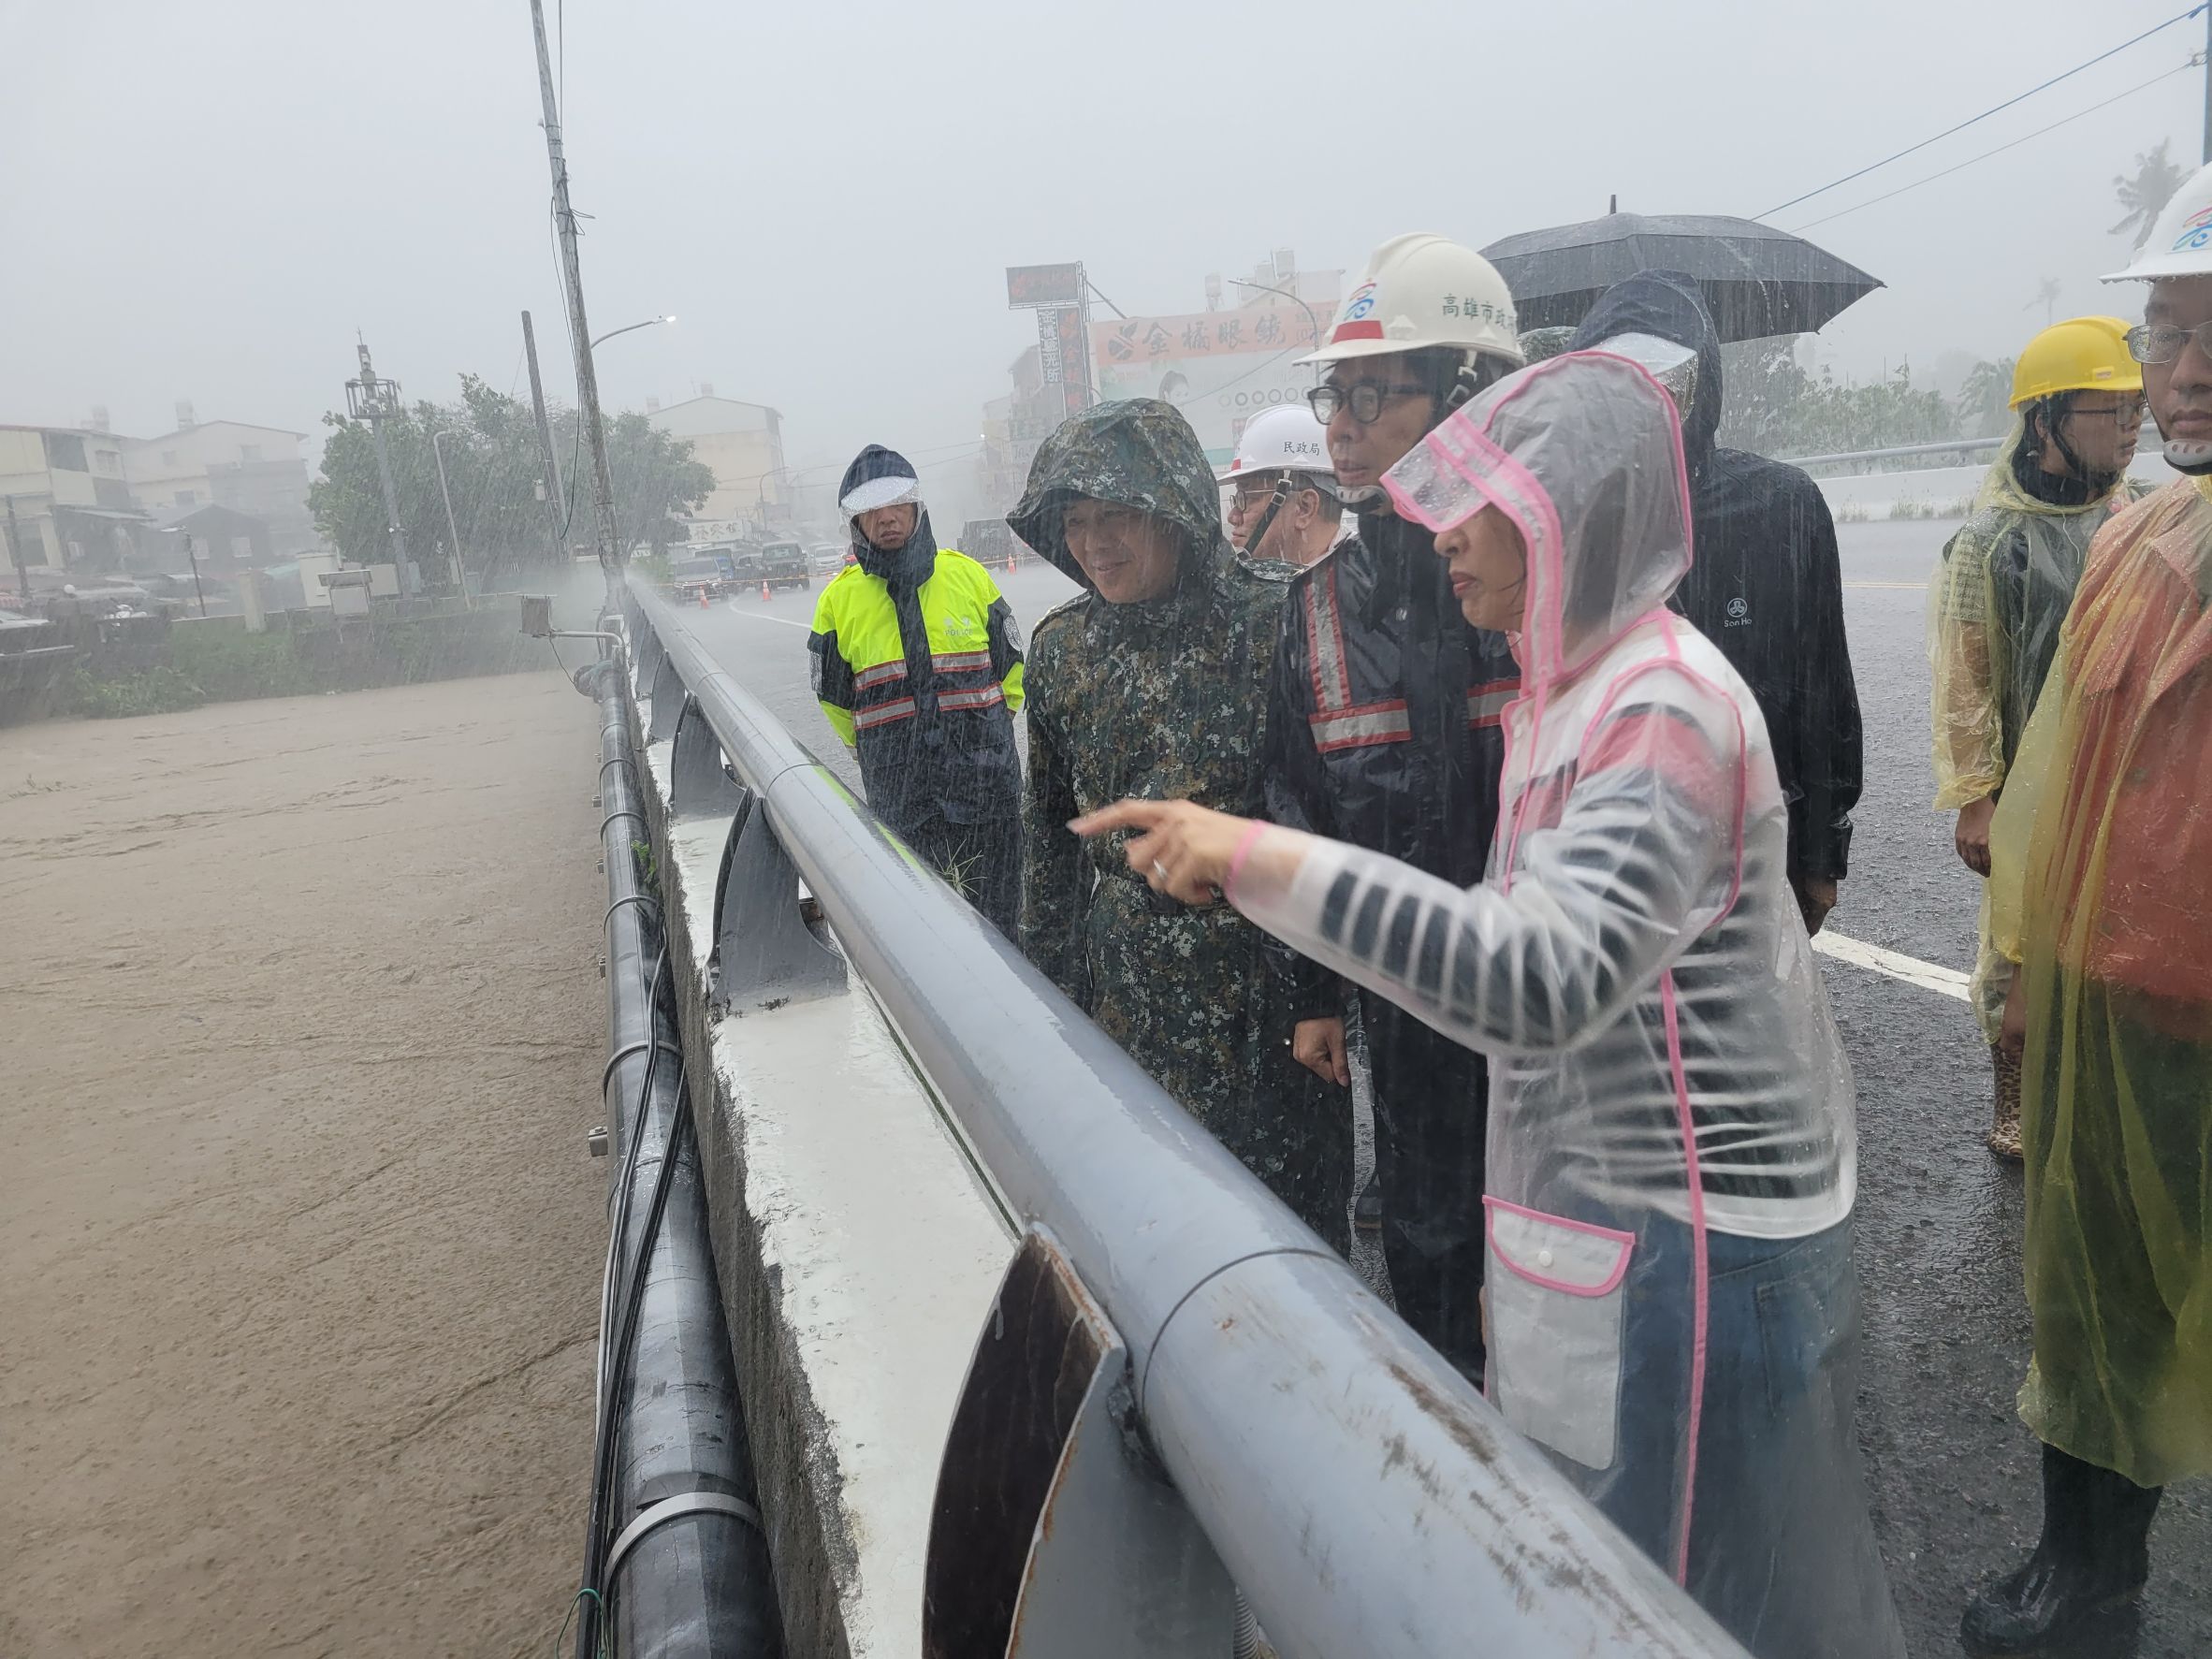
{"x": 1641, "y": 858}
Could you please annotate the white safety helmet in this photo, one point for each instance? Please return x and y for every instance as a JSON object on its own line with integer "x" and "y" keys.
{"x": 1422, "y": 291}
{"x": 2180, "y": 244}
{"x": 1289, "y": 439}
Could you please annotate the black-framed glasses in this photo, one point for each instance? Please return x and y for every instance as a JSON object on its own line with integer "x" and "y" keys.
{"x": 2162, "y": 342}
{"x": 1365, "y": 398}
{"x": 2126, "y": 415}
{"x": 1254, "y": 492}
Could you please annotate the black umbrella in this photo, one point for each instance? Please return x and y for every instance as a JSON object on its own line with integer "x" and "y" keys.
{"x": 1756, "y": 279}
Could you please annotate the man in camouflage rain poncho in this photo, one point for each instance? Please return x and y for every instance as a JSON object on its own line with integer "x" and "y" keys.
{"x": 1154, "y": 684}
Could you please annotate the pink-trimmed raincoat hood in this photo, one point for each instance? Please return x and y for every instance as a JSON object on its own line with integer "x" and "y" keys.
{"x": 1584, "y": 455}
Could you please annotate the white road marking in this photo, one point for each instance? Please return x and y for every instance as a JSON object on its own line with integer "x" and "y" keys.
{"x": 763, "y": 617}
{"x": 1947, "y": 982}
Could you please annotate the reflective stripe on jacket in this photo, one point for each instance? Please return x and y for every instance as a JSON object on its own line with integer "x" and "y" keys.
{"x": 1372, "y": 738}
{"x": 937, "y": 739}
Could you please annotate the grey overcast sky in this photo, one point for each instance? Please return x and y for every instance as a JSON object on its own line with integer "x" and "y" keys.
{"x": 206, "y": 201}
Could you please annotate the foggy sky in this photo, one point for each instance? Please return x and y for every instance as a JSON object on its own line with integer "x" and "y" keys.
{"x": 205, "y": 202}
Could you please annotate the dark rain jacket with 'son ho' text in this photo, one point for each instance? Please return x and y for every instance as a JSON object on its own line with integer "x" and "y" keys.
{"x": 1764, "y": 582}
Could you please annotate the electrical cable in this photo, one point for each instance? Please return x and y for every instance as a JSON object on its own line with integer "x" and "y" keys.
{"x": 568, "y": 1618}
{"x": 1985, "y": 115}
{"x": 1215, "y": 391}
{"x": 1102, "y": 299}
{"x": 619, "y": 1356}
{"x": 630, "y": 1160}
{"x": 612, "y": 1365}
{"x": 2062, "y": 120}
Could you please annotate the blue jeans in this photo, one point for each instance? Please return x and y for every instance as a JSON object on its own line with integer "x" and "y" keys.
{"x": 1779, "y": 1548}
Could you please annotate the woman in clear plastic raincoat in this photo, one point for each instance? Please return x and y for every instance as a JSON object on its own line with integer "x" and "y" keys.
{"x": 2002, "y": 591}
{"x": 1672, "y": 1308}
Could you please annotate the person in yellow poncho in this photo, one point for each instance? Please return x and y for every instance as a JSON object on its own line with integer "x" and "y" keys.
{"x": 2003, "y": 590}
{"x": 2100, "y": 888}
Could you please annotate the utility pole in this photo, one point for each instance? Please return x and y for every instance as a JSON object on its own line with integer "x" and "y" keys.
{"x": 556, "y": 503}
{"x": 611, "y": 554}
{"x": 376, "y": 401}
{"x": 191, "y": 557}
{"x": 15, "y": 550}
{"x": 438, "y": 438}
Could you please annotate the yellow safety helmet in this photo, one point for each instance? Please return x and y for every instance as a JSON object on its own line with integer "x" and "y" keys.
{"x": 2080, "y": 355}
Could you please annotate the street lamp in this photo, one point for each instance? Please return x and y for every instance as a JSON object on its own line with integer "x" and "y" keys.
{"x": 647, "y": 324}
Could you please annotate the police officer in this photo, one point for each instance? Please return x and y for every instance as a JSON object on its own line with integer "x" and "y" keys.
{"x": 918, "y": 667}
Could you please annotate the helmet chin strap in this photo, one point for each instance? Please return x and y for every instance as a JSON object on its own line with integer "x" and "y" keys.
{"x": 2191, "y": 456}
{"x": 2098, "y": 479}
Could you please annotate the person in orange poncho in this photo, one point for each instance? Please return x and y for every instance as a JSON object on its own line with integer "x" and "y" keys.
{"x": 2101, "y": 890}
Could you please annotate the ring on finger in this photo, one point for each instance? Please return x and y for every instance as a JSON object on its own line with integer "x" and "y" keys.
{"x": 1159, "y": 869}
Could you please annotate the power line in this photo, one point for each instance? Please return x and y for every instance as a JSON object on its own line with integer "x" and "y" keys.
{"x": 2062, "y": 120}
{"x": 1985, "y": 115}
{"x": 1213, "y": 391}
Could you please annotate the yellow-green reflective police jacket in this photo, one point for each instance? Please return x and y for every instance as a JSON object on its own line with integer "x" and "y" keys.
{"x": 922, "y": 681}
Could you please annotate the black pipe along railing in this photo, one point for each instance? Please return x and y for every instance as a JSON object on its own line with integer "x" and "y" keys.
{"x": 677, "y": 1563}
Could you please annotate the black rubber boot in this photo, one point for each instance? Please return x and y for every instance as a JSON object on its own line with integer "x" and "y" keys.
{"x": 2095, "y": 1549}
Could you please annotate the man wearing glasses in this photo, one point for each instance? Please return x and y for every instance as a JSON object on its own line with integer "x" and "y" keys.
{"x": 2100, "y": 890}
{"x": 1383, "y": 730}
{"x": 2001, "y": 592}
{"x": 1282, "y": 504}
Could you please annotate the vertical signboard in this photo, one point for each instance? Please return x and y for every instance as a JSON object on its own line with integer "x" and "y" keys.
{"x": 1059, "y": 295}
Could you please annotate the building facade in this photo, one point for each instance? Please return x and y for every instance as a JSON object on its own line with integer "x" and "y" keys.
{"x": 253, "y": 469}
{"x": 742, "y": 444}
{"x": 65, "y": 502}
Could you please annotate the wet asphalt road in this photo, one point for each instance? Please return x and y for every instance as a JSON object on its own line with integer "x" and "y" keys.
{"x": 1954, "y": 1473}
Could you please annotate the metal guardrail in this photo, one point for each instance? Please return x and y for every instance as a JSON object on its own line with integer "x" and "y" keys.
{"x": 1357, "y": 1491}
{"x": 1961, "y": 446}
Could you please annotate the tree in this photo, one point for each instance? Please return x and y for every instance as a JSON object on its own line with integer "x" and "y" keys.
{"x": 655, "y": 479}
{"x": 495, "y": 471}
{"x": 1763, "y": 387}
{"x": 2046, "y": 294}
{"x": 2146, "y": 194}
{"x": 1772, "y": 406}
{"x": 1985, "y": 401}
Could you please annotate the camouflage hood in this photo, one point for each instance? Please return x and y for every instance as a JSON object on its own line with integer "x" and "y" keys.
{"x": 1138, "y": 453}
